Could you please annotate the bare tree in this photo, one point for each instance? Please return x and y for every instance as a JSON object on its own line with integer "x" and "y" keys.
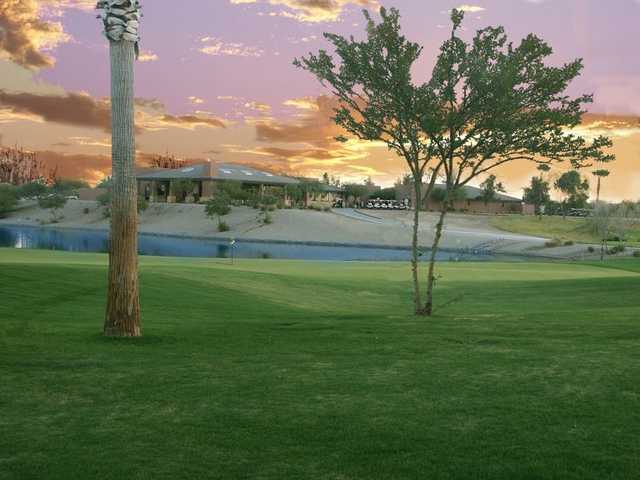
{"x": 122, "y": 319}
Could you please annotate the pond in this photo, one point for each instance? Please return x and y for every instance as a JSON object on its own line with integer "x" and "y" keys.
{"x": 78, "y": 240}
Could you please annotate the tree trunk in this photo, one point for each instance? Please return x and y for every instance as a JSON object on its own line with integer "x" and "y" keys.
{"x": 598, "y": 191}
{"x": 428, "y": 308}
{"x": 122, "y": 317}
{"x": 415, "y": 258}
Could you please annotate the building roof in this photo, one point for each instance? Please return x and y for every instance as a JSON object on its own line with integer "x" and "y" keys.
{"x": 213, "y": 171}
{"x": 474, "y": 193}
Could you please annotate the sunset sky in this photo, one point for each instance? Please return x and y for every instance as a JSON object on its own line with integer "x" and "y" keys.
{"x": 215, "y": 80}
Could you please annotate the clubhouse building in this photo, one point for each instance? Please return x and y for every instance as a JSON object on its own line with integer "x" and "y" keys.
{"x": 199, "y": 183}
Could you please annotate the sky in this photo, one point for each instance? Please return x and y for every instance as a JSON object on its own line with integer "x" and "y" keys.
{"x": 215, "y": 80}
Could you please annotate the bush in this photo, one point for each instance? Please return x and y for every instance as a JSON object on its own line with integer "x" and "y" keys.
{"x": 8, "y": 199}
{"x": 104, "y": 199}
{"x": 222, "y": 226}
{"x": 555, "y": 242}
{"x": 267, "y": 220}
{"x": 86, "y": 210}
{"x": 616, "y": 249}
{"x": 53, "y": 202}
{"x": 32, "y": 190}
{"x": 218, "y": 206}
{"x": 142, "y": 204}
{"x": 568, "y": 243}
{"x": 590, "y": 249}
{"x": 636, "y": 253}
{"x": 326, "y": 209}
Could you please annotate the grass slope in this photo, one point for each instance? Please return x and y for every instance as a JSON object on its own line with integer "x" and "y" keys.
{"x": 571, "y": 228}
{"x": 278, "y": 369}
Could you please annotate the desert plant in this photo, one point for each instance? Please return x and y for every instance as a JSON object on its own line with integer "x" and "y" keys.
{"x": 54, "y": 203}
{"x": 32, "y": 189}
{"x": 222, "y": 226}
{"x": 8, "y": 199}
{"x": 218, "y": 207}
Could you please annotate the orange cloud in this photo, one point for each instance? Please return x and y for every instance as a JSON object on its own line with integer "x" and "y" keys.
{"x": 312, "y": 10}
{"x": 25, "y": 36}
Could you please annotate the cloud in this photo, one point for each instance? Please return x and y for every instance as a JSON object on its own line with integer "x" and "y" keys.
{"x": 260, "y": 107}
{"x": 311, "y": 10}
{"x": 83, "y": 110}
{"x": 25, "y": 35}
{"x": 471, "y": 8}
{"x": 188, "y": 121}
{"x": 195, "y": 100}
{"x": 306, "y": 103}
{"x": 147, "y": 56}
{"x": 215, "y": 47}
{"x": 76, "y": 109}
{"x": 308, "y": 144}
{"x": 91, "y": 168}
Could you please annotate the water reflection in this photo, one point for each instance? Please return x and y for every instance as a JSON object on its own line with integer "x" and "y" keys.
{"x": 97, "y": 241}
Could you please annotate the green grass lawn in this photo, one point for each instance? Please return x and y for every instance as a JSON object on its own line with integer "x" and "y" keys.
{"x": 570, "y": 228}
{"x": 284, "y": 369}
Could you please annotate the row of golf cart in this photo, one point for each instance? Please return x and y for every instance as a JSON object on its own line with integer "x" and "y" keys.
{"x": 378, "y": 204}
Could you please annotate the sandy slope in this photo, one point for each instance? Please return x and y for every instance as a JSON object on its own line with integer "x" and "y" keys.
{"x": 341, "y": 226}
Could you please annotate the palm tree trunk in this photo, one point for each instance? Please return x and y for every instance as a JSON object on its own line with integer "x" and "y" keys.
{"x": 598, "y": 191}
{"x": 414, "y": 246}
{"x": 122, "y": 317}
{"x": 428, "y": 308}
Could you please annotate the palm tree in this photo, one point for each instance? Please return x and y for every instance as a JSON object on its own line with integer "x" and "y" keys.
{"x": 122, "y": 318}
{"x": 600, "y": 174}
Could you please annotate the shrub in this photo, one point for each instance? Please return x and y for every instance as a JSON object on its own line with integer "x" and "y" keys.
{"x": 8, "y": 199}
{"x": 85, "y": 210}
{"x": 222, "y": 226}
{"x": 265, "y": 255}
{"x": 590, "y": 249}
{"x": 142, "y": 204}
{"x": 568, "y": 243}
{"x": 54, "y": 203}
{"x": 555, "y": 242}
{"x": 267, "y": 220}
{"x": 616, "y": 249}
{"x": 326, "y": 209}
{"x": 636, "y": 253}
{"x": 104, "y": 199}
{"x": 32, "y": 190}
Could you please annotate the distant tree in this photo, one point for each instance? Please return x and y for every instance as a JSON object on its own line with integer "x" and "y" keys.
{"x": 325, "y": 179}
{"x": 355, "y": 192}
{"x": 183, "y": 187}
{"x": 65, "y": 186}
{"x": 54, "y": 203}
{"x": 19, "y": 166}
{"x": 33, "y": 189}
{"x": 575, "y": 190}
{"x": 218, "y": 207}
{"x": 600, "y": 174}
{"x": 537, "y": 193}
{"x": 387, "y": 193}
{"x": 490, "y": 189}
{"x": 106, "y": 182}
{"x": 166, "y": 161}
{"x": 487, "y": 103}
{"x": 8, "y": 199}
{"x": 404, "y": 181}
{"x": 234, "y": 190}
